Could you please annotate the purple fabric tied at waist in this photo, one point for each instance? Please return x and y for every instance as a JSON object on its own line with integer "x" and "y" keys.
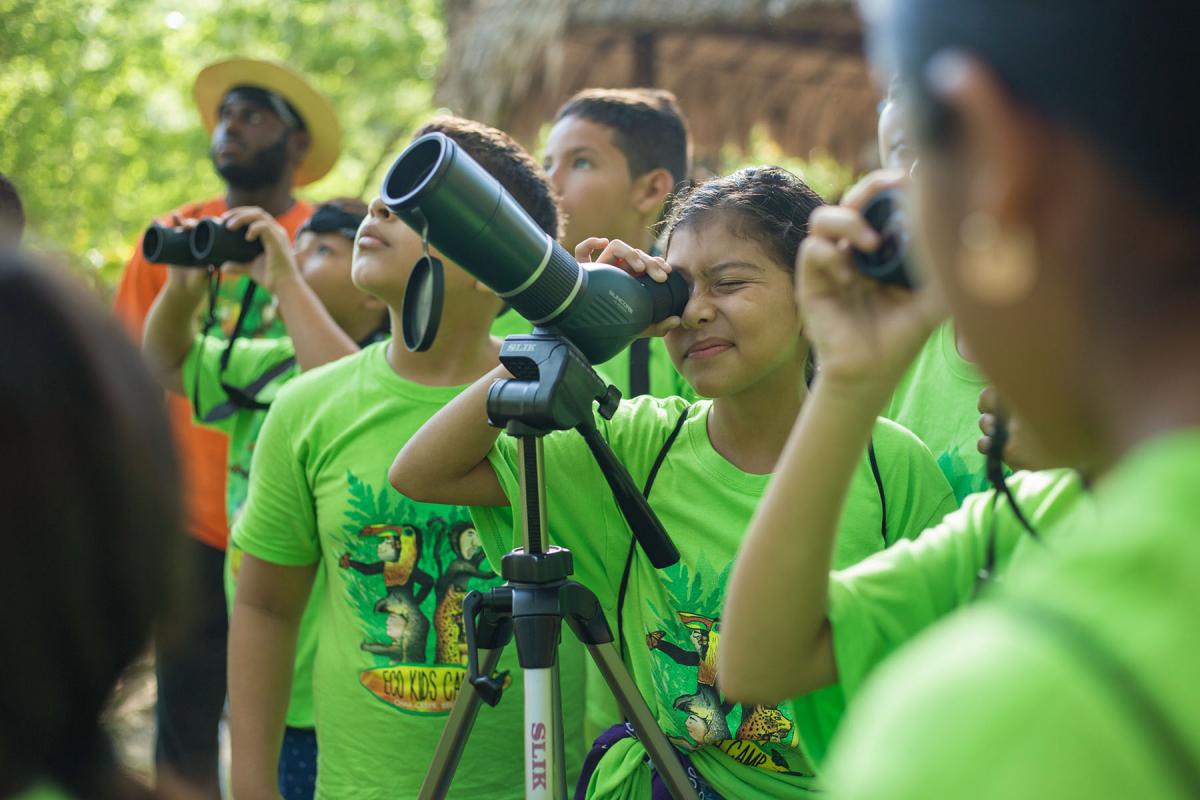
{"x": 658, "y": 790}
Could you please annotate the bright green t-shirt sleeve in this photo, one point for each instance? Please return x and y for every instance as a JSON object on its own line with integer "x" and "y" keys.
{"x": 987, "y": 709}
{"x": 248, "y": 361}
{"x": 877, "y": 605}
{"x": 279, "y": 521}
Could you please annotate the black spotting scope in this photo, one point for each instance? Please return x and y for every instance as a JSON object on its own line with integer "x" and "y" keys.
{"x": 443, "y": 193}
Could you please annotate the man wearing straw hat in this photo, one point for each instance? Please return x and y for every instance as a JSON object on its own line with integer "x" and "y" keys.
{"x": 270, "y": 132}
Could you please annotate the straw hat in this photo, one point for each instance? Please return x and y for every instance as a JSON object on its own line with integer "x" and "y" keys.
{"x": 215, "y": 81}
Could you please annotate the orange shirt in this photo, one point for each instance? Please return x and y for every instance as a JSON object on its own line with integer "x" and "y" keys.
{"x": 202, "y": 452}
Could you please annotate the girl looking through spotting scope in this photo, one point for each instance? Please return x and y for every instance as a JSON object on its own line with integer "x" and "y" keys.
{"x": 704, "y": 468}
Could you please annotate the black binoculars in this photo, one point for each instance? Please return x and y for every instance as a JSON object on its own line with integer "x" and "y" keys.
{"x": 207, "y": 244}
{"x": 889, "y": 262}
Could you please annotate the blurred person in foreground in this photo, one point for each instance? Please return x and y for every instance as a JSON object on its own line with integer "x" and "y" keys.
{"x": 12, "y": 213}
{"x": 1056, "y": 209}
{"x": 91, "y": 528}
{"x": 271, "y": 132}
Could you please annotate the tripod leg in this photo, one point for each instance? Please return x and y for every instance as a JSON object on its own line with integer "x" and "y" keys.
{"x": 543, "y": 769}
{"x": 560, "y": 735}
{"x": 454, "y": 736}
{"x": 662, "y": 754}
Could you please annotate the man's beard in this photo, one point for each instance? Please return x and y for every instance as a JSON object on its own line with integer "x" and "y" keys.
{"x": 264, "y": 169}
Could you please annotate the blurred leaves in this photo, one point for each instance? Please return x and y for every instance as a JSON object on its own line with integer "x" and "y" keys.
{"x": 826, "y": 175}
{"x": 100, "y": 133}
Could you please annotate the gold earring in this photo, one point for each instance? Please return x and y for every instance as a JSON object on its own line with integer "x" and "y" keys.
{"x": 996, "y": 267}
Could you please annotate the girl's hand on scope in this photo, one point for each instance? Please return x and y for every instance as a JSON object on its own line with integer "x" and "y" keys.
{"x": 865, "y": 333}
{"x": 636, "y": 262}
{"x": 277, "y": 264}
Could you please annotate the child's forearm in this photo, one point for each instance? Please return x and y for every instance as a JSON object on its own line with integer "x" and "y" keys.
{"x": 446, "y": 460}
{"x": 169, "y": 333}
{"x": 777, "y": 599}
{"x": 262, "y": 650}
{"x": 317, "y": 338}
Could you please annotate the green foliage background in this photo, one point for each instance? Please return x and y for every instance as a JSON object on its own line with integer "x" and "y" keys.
{"x": 100, "y": 132}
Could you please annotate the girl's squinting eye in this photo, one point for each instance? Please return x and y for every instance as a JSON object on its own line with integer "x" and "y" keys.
{"x": 582, "y": 163}
{"x": 325, "y": 250}
{"x": 731, "y": 284}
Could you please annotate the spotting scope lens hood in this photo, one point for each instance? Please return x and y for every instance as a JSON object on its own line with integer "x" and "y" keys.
{"x": 166, "y": 245}
{"x": 214, "y": 244}
{"x": 444, "y": 194}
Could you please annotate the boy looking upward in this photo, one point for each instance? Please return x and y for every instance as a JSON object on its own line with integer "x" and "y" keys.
{"x": 615, "y": 156}
{"x": 390, "y": 655}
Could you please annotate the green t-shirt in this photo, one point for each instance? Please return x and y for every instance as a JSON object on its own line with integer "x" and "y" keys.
{"x": 671, "y": 623}
{"x": 250, "y": 361}
{"x": 390, "y": 656}
{"x": 42, "y": 791}
{"x": 938, "y": 400}
{"x": 882, "y": 602}
{"x": 1017, "y": 696}
{"x": 259, "y": 367}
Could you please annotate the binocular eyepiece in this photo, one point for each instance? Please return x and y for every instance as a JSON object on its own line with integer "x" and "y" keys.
{"x": 889, "y": 262}
{"x": 444, "y": 195}
{"x": 209, "y": 243}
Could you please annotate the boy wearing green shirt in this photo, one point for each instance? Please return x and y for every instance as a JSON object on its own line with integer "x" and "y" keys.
{"x": 391, "y": 652}
{"x": 229, "y": 391}
{"x": 616, "y": 156}
{"x": 734, "y": 239}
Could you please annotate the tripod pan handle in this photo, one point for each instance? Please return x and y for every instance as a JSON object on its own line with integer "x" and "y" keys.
{"x": 644, "y": 523}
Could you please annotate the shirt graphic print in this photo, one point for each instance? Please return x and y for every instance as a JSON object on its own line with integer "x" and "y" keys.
{"x": 685, "y": 640}
{"x": 405, "y": 572}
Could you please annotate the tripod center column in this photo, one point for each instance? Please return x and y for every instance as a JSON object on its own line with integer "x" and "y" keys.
{"x": 533, "y": 490}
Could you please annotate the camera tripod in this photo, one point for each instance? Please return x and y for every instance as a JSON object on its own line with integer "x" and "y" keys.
{"x": 553, "y": 389}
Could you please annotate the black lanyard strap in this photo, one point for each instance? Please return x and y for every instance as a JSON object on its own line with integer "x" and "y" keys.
{"x": 658, "y": 462}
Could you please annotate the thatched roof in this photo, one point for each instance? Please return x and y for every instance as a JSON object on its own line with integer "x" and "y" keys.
{"x": 795, "y": 66}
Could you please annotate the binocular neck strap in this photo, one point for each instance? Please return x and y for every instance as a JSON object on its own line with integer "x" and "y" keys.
{"x": 236, "y": 396}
